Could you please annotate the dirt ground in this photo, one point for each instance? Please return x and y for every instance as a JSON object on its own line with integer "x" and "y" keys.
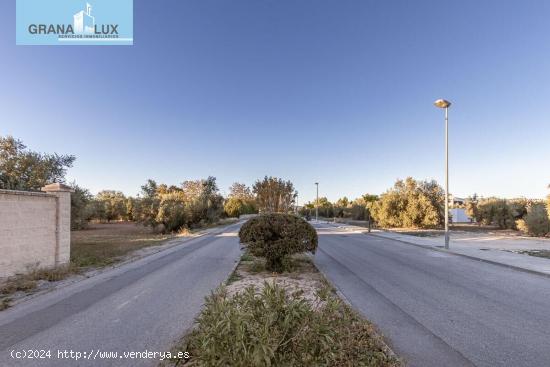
{"x": 305, "y": 280}
{"x": 105, "y": 243}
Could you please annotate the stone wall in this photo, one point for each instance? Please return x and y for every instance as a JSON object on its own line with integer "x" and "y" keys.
{"x": 35, "y": 229}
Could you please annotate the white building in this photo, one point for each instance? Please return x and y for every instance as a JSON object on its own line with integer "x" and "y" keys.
{"x": 83, "y": 21}
{"x": 457, "y": 210}
{"x": 458, "y": 215}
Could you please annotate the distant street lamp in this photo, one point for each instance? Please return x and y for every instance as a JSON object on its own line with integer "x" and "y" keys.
{"x": 441, "y": 103}
{"x": 317, "y": 203}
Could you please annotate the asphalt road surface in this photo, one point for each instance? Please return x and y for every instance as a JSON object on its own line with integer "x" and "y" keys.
{"x": 439, "y": 309}
{"x": 142, "y": 306}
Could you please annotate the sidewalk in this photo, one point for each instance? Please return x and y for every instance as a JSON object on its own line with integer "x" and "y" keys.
{"x": 493, "y": 249}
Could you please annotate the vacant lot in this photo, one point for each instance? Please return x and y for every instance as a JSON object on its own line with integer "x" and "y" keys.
{"x": 105, "y": 243}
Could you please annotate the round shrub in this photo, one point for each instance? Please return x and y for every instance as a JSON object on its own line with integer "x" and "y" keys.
{"x": 276, "y": 236}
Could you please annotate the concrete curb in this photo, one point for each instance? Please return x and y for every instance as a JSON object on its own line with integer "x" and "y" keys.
{"x": 237, "y": 263}
{"x": 518, "y": 268}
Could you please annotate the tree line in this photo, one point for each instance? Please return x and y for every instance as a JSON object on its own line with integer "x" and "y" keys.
{"x": 168, "y": 208}
{"x": 530, "y": 216}
{"x": 414, "y": 203}
{"x": 409, "y": 203}
{"x": 192, "y": 204}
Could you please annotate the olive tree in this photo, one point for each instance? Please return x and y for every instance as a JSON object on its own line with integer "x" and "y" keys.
{"x": 274, "y": 195}
{"x": 240, "y": 201}
{"x": 410, "y": 203}
{"x": 535, "y": 222}
{"x": 23, "y": 169}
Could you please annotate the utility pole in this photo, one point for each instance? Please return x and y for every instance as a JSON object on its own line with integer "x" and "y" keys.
{"x": 317, "y": 203}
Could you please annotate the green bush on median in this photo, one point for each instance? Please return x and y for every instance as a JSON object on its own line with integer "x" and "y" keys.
{"x": 276, "y": 236}
{"x": 273, "y": 328}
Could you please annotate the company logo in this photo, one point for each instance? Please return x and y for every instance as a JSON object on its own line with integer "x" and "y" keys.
{"x": 84, "y": 22}
{"x": 48, "y": 22}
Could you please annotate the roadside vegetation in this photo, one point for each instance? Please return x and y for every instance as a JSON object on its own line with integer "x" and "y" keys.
{"x": 415, "y": 204}
{"x": 272, "y": 327}
{"x": 290, "y": 317}
{"x": 408, "y": 204}
{"x": 30, "y": 281}
{"x": 531, "y": 217}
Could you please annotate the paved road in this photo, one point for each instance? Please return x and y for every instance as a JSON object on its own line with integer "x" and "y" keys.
{"x": 439, "y": 309}
{"x": 144, "y": 305}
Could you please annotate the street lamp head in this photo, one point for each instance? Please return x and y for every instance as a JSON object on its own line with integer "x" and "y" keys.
{"x": 316, "y": 183}
{"x": 442, "y": 103}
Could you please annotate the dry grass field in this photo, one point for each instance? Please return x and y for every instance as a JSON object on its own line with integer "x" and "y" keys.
{"x": 105, "y": 243}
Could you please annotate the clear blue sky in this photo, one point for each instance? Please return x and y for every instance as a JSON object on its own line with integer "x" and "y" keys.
{"x": 338, "y": 92}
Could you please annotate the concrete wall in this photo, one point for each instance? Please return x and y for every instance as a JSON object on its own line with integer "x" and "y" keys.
{"x": 35, "y": 229}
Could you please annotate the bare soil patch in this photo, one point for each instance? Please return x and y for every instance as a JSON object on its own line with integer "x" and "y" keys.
{"x": 304, "y": 280}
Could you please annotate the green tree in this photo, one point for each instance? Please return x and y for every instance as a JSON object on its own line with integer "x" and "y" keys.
{"x": 130, "y": 208}
{"x": 495, "y": 211}
{"x": 80, "y": 210}
{"x": 369, "y": 198}
{"x": 326, "y": 209}
{"x": 340, "y": 207}
{"x": 172, "y": 213}
{"x": 410, "y": 203}
{"x": 240, "y": 201}
{"x": 147, "y": 204}
{"x": 234, "y": 207}
{"x": 472, "y": 209}
{"x": 342, "y": 202}
{"x": 193, "y": 204}
{"x": 274, "y": 195}
{"x": 240, "y": 191}
{"x": 204, "y": 200}
{"x": 535, "y": 222}
{"x": 23, "y": 169}
{"x": 113, "y": 203}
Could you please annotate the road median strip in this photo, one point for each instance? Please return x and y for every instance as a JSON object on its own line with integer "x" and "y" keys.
{"x": 302, "y": 317}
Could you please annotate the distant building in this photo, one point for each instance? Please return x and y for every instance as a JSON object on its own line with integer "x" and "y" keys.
{"x": 458, "y": 215}
{"x": 83, "y": 21}
{"x": 456, "y": 202}
{"x": 457, "y": 210}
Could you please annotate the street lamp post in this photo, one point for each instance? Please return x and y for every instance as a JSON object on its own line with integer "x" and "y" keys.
{"x": 317, "y": 203}
{"x": 441, "y": 103}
